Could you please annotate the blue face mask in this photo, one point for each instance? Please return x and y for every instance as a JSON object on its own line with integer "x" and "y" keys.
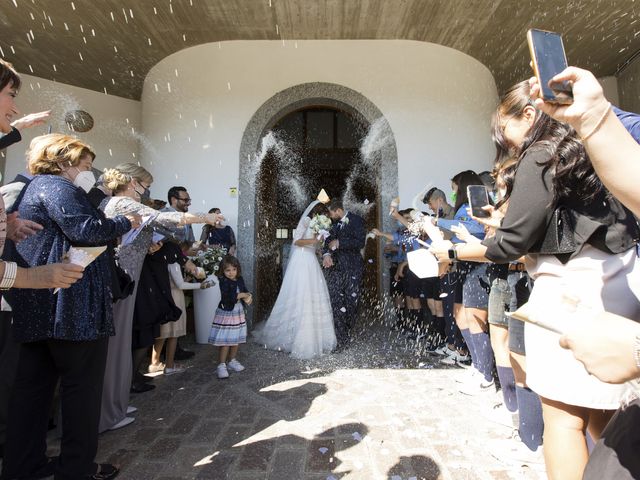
{"x": 493, "y": 197}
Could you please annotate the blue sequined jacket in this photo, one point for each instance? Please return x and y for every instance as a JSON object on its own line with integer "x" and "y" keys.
{"x": 83, "y": 311}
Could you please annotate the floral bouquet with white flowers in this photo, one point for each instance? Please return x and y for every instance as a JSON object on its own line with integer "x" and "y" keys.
{"x": 209, "y": 260}
{"x": 320, "y": 225}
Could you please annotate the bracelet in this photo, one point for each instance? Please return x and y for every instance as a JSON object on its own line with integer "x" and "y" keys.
{"x": 9, "y": 276}
{"x": 600, "y": 122}
{"x": 636, "y": 351}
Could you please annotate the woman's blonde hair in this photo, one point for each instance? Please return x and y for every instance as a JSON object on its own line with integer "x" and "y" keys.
{"x": 50, "y": 154}
{"x": 116, "y": 179}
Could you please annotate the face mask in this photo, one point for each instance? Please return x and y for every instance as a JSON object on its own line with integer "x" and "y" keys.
{"x": 454, "y": 196}
{"x": 502, "y": 193}
{"x": 145, "y": 195}
{"x": 85, "y": 180}
{"x": 493, "y": 197}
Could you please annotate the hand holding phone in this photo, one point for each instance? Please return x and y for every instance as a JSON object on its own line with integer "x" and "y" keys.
{"x": 478, "y": 197}
{"x": 548, "y": 59}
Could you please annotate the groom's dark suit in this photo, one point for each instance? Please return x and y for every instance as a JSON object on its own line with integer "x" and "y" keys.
{"x": 345, "y": 277}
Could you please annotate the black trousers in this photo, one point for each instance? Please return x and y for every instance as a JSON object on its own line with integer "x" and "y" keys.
{"x": 80, "y": 367}
{"x": 344, "y": 281}
{"x": 8, "y": 363}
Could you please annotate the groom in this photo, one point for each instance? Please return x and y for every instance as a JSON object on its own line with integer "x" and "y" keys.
{"x": 343, "y": 262}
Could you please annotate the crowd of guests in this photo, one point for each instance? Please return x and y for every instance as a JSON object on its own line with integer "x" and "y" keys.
{"x": 82, "y": 333}
{"x": 560, "y": 236}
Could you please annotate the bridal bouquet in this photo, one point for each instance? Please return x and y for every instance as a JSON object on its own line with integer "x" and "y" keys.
{"x": 209, "y": 260}
{"x": 320, "y": 224}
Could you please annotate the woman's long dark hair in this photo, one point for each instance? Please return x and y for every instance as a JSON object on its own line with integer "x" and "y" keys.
{"x": 318, "y": 209}
{"x": 572, "y": 172}
{"x": 505, "y": 173}
{"x": 463, "y": 180}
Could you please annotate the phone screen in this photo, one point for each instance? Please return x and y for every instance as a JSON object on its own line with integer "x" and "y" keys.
{"x": 549, "y": 59}
{"x": 478, "y": 198}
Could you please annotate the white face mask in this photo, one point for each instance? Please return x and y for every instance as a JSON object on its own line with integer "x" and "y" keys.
{"x": 85, "y": 180}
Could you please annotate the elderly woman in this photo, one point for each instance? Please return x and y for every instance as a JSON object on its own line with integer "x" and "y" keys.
{"x": 130, "y": 184}
{"x": 62, "y": 334}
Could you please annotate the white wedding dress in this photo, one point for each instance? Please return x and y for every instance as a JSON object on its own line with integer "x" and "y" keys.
{"x": 301, "y": 321}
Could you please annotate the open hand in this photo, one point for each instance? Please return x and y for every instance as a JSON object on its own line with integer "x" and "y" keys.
{"x": 134, "y": 219}
{"x": 31, "y": 120}
{"x": 441, "y": 250}
{"x": 18, "y": 228}
{"x": 214, "y": 218}
{"x": 463, "y": 234}
{"x": 327, "y": 261}
{"x": 494, "y": 220}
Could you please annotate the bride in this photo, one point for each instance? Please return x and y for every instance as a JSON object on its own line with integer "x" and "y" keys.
{"x": 301, "y": 321}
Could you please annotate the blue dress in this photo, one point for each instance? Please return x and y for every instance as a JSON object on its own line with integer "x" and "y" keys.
{"x": 229, "y": 327}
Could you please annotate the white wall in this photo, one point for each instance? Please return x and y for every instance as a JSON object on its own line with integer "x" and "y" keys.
{"x": 197, "y": 103}
{"x": 112, "y": 137}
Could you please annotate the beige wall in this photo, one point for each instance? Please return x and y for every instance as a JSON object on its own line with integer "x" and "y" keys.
{"x": 629, "y": 87}
{"x": 112, "y": 136}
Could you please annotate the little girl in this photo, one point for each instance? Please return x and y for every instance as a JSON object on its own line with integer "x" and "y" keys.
{"x": 229, "y": 328}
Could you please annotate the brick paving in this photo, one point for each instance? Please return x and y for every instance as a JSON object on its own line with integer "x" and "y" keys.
{"x": 380, "y": 410}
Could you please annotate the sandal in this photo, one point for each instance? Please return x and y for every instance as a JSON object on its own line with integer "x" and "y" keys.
{"x": 106, "y": 471}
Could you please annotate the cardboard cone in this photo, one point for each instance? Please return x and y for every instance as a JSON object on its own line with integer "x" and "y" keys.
{"x": 323, "y": 197}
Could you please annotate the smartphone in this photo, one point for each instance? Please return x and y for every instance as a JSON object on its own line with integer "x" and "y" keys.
{"x": 478, "y": 197}
{"x": 548, "y": 59}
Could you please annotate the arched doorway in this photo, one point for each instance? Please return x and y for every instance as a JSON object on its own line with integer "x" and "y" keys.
{"x": 293, "y": 99}
{"x": 316, "y": 147}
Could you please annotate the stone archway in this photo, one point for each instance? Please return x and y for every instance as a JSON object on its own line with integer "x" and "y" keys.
{"x": 281, "y": 104}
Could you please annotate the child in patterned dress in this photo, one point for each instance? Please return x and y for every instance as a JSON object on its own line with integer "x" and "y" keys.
{"x": 229, "y": 328}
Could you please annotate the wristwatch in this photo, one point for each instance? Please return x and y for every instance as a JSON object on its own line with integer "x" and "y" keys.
{"x": 453, "y": 254}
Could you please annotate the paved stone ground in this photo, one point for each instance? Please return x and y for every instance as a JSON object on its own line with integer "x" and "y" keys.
{"x": 379, "y": 410}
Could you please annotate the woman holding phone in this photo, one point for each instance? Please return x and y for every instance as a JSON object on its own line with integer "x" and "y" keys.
{"x": 553, "y": 171}
{"x": 607, "y": 345}
{"x": 472, "y": 295}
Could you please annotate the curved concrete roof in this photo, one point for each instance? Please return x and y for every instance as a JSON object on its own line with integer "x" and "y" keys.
{"x": 110, "y": 45}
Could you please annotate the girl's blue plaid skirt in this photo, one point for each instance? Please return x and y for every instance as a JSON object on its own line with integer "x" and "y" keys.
{"x": 229, "y": 327}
